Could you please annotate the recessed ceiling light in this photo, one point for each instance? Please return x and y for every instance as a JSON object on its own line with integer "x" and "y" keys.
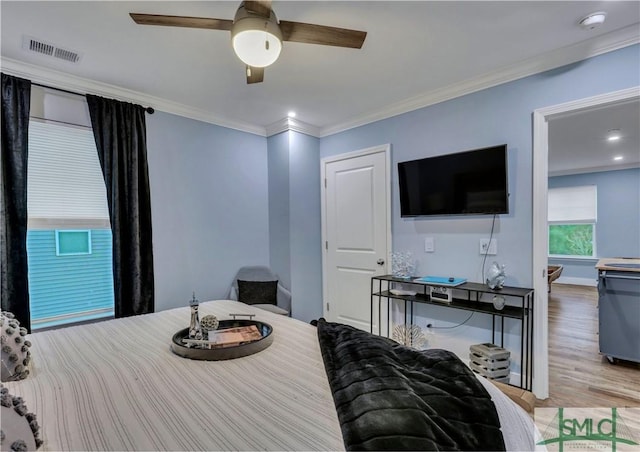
{"x": 593, "y": 20}
{"x": 291, "y": 114}
{"x": 613, "y": 135}
{"x": 617, "y": 157}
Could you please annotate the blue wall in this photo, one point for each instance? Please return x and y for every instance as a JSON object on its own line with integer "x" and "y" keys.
{"x": 294, "y": 219}
{"x": 306, "y": 233}
{"x": 209, "y": 201}
{"x": 222, "y": 198}
{"x": 502, "y": 114}
{"x": 618, "y": 226}
{"x": 279, "y": 207}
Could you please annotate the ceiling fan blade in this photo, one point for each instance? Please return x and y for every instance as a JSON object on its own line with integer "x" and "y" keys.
{"x": 182, "y": 21}
{"x": 259, "y": 7}
{"x": 255, "y": 75}
{"x": 321, "y": 34}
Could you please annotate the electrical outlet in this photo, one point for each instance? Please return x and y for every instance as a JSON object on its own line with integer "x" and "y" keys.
{"x": 489, "y": 248}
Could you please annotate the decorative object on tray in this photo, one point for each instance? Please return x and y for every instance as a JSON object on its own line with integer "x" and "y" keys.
{"x": 15, "y": 352}
{"x": 403, "y": 265}
{"x": 208, "y": 323}
{"x": 20, "y": 429}
{"x": 195, "y": 330}
{"x": 495, "y": 276}
{"x": 410, "y": 336}
{"x": 233, "y": 339}
{"x": 234, "y": 336}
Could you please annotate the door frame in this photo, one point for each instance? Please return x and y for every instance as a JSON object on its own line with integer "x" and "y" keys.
{"x": 541, "y": 118}
{"x": 383, "y": 148}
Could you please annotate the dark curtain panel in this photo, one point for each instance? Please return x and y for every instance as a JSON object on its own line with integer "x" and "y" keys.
{"x": 16, "y": 98}
{"x": 120, "y": 133}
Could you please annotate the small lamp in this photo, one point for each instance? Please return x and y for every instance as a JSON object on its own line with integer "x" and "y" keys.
{"x": 256, "y": 40}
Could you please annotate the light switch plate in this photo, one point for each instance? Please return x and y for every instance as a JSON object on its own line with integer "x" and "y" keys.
{"x": 429, "y": 245}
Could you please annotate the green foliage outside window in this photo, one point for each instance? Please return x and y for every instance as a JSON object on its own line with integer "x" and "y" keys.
{"x": 571, "y": 239}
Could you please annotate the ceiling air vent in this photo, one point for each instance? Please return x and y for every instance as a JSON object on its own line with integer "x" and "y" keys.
{"x": 36, "y": 45}
{"x": 66, "y": 55}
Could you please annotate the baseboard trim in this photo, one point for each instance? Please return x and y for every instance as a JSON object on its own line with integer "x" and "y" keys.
{"x": 576, "y": 281}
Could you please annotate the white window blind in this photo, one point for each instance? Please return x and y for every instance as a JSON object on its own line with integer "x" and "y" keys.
{"x": 65, "y": 185}
{"x": 573, "y": 204}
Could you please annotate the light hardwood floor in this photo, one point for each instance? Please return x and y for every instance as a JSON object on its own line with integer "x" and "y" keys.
{"x": 578, "y": 375}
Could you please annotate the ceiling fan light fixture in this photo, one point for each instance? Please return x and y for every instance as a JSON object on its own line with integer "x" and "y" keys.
{"x": 256, "y": 40}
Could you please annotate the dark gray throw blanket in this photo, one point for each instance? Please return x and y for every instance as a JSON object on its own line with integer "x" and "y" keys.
{"x": 392, "y": 397}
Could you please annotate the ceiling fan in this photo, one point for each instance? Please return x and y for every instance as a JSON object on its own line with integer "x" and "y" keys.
{"x": 257, "y": 35}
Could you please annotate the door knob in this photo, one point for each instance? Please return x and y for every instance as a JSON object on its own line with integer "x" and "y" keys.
{"x": 380, "y": 261}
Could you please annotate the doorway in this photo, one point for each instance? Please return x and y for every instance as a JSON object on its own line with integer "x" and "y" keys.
{"x": 540, "y": 244}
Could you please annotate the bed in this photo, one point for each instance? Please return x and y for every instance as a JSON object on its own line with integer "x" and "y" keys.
{"x": 115, "y": 385}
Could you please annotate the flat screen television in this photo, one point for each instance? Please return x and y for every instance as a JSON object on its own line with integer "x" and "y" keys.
{"x": 466, "y": 183}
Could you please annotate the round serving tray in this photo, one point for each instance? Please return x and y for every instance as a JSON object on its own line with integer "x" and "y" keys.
{"x": 231, "y": 352}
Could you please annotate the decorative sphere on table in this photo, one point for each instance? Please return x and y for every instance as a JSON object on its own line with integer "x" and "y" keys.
{"x": 499, "y": 302}
{"x": 208, "y": 323}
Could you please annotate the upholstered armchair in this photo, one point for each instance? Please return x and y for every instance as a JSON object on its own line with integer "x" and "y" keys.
{"x": 259, "y": 286}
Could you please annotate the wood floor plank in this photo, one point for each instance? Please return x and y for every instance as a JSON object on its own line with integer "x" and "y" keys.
{"x": 578, "y": 375}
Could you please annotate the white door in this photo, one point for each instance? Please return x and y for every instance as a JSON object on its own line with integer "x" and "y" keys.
{"x": 356, "y": 221}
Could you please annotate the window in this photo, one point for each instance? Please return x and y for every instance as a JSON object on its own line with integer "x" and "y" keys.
{"x": 69, "y": 243}
{"x": 572, "y": 220}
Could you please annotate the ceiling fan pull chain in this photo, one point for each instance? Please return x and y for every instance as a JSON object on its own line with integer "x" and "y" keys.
{"x": 266, "y": 37}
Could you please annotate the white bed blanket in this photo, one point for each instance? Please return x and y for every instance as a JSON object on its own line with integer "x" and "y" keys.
{"x": 116, "y": 385}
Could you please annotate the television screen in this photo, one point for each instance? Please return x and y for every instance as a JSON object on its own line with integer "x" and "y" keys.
{"x": 467, "y": 183}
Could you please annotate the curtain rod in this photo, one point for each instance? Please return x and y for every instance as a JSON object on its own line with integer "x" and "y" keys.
{"x": 149, "y": 110}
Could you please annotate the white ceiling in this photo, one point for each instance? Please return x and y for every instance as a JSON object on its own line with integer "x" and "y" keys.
{"x": 578, "y": 141}
{"x": 415, "y": 54}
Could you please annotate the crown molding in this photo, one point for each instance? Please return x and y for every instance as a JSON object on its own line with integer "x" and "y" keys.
{"x": 560, "y": 57}
{"x": 550, "y": 60}
{"x": 591, "y": 103}
{"x": 296, "y": 125}
{"x": 63, "y": 80}
{"x": 594, "y": 169}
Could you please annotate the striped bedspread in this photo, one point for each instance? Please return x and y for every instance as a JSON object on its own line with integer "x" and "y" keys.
{"x": 116, "y": 385}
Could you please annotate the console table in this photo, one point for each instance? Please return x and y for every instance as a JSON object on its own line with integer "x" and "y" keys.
{"x": 381, "y": 286}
